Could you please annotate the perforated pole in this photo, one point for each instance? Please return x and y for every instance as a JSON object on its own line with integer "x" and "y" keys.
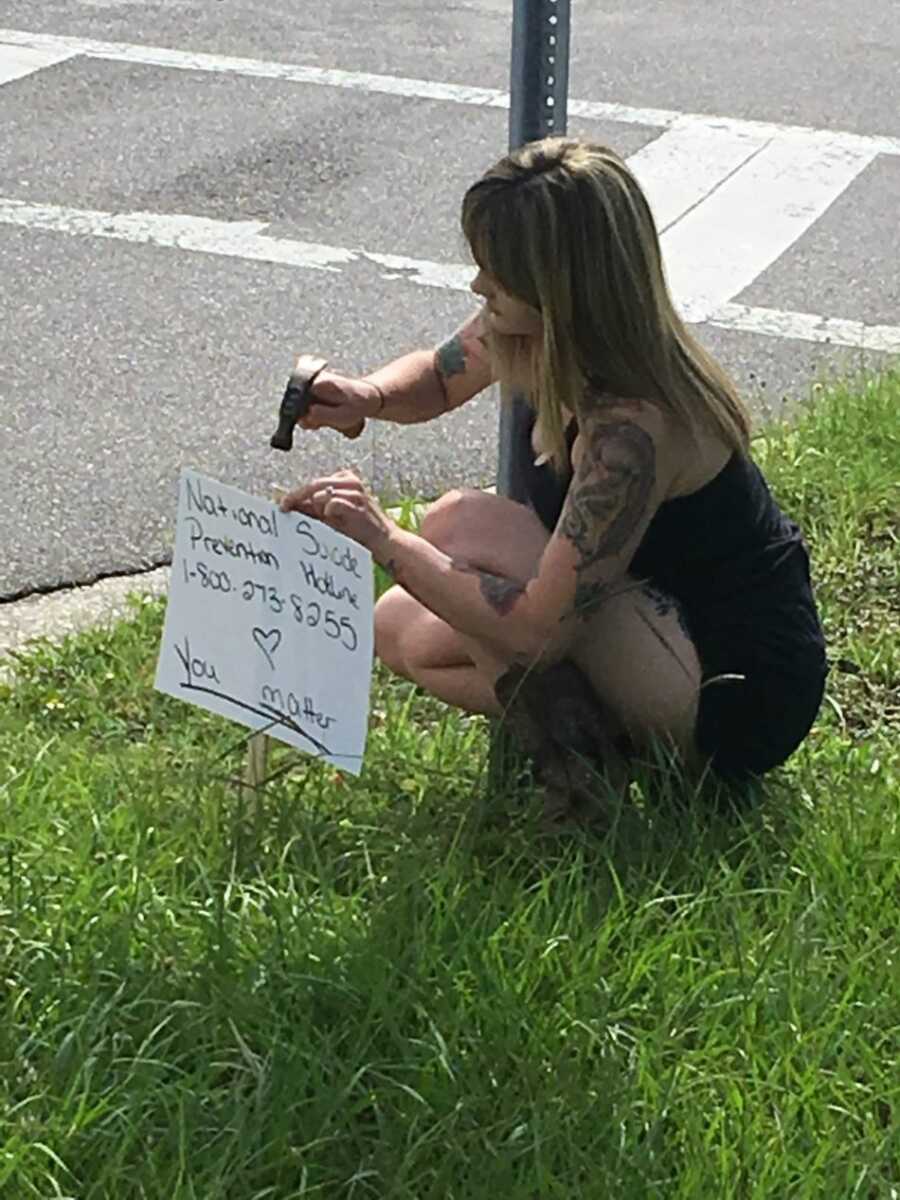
{"x": 538, "y": 91}
{"x": 539, "y": 85}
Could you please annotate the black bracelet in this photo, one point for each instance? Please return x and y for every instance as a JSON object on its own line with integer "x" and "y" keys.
{"x": 380, "y": 397}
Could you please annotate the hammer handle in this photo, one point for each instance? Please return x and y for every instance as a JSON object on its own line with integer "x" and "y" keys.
{"x": 296, "y": 403}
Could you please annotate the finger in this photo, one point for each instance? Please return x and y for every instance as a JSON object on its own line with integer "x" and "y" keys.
{"x": 354, "y": 431}
{"x": 338, "y": 512}
{"x": 312, "y": 505}
{"x": 336, "y": 507}
{"x": 327, "y": 389}
{"x": 298, "y": 499}
{"x": 319, "y": 415}
{"x": 341, "y": 481}
{"x": 321, "y": 498}
{"x": 344, "y": 481}
{"x": 343, "y": 491}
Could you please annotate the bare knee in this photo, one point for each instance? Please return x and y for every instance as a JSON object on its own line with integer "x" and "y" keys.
{"x": 492, "y": 533}
{"x": 392, "y": 618}
{"x": 409, "y": 639}
{"x": 449, "y": 522}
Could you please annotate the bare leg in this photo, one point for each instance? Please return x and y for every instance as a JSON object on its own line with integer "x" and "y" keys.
{"x": 489, "y": 532}
{"x": 416, "y": 644}
{"x": 632, "y": 674}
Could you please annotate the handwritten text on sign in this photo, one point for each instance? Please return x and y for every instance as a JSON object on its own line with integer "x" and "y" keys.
{"x": 269, "y": 621}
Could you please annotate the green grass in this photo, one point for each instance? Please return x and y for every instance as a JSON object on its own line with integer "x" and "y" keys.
{"x": 395, "y": 987}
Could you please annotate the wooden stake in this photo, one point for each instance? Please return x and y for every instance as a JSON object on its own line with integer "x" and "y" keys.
{"x": 258, "y": 745}
{"x": 255, "y": 767}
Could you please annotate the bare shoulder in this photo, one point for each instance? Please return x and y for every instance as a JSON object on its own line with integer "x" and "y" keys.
{"x": 462, "y": 361}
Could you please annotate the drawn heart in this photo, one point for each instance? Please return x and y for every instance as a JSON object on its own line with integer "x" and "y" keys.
{"x": 268, "y": 641}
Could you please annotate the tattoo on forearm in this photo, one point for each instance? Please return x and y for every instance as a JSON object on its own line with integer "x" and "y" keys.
{"x": 501, "y": 594}
{"x": 610, "y": 491}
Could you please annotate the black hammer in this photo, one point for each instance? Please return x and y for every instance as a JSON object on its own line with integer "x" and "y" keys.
{"x": 296, "y": 401}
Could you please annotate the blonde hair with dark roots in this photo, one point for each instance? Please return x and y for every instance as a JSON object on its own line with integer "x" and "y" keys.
{"x": 563, "y": 225}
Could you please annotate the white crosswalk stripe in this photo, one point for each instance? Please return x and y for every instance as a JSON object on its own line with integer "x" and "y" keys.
{"x": 729, "y": 197}
{"x": 18, "y": 61}
{"x": 679, "y": 169}
{"x": 393, "y": 85}
{"x": 753, "y": 216}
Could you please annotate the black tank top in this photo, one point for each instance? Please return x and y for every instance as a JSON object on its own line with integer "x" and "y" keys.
{"x": 737, "y": 565}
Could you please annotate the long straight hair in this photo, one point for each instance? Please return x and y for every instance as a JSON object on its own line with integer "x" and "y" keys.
{"x": 563, "y": 225}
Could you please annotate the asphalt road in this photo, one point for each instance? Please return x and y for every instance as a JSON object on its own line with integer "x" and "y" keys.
{"x": 127, "y": 352}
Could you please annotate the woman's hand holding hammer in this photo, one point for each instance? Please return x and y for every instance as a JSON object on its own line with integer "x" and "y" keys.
{"x": 316, "y": 399}
{"x": 342, "y": 403}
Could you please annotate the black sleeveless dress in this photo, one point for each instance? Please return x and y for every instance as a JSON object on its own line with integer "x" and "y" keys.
{"x": 739, "y": 570}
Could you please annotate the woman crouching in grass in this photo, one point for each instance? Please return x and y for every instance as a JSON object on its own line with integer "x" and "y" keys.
{"x": 651, "y": 590}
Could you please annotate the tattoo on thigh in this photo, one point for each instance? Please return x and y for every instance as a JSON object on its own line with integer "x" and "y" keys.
{"x": 590, "y": 597}
{"x": 664, "y": 604}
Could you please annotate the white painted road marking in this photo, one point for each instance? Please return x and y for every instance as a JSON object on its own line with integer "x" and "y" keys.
{"x": 18, "y": 61}
{"x": 231, "y": 239}
{"x": 729, "y": 197}
{"x": 422, "y": 89}
{"x": 246, "y": 240}
{"x": 806, "y": 327}
{"x": 681, "y": 167}
{"x": 754, "y": 216}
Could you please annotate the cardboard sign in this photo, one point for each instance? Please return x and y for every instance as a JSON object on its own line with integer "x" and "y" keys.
{"x": 269, "y": 621}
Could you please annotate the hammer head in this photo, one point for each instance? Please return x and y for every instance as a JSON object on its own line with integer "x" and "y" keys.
{"x": 296, "y": 400}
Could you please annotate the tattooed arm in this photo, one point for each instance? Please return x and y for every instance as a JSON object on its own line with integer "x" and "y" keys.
{"x": 612, "y": 498}
{"x": 428, "y": 383}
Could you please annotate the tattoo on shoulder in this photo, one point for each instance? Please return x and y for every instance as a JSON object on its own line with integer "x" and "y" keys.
{"x": 450, "y": 357}
{"x": 611, "y": 489}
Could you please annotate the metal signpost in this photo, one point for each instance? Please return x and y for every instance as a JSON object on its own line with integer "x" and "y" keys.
{"x": 539, "y": 84}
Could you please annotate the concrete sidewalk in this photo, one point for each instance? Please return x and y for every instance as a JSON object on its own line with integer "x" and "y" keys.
{"x": 57, "y": 614}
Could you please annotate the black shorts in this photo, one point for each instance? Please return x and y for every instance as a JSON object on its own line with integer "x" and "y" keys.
{"x": 749, "y": 726}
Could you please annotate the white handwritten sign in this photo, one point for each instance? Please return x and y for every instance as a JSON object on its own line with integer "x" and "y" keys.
{"x": 269, "y": 621}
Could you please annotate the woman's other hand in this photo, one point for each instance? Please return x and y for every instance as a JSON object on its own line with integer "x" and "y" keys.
{"x": 343, "y": 501}
{"x": 341, "y": 402}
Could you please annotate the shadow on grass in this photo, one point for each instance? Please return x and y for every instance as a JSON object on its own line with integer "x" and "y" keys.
{"x": 667, "y": 831}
